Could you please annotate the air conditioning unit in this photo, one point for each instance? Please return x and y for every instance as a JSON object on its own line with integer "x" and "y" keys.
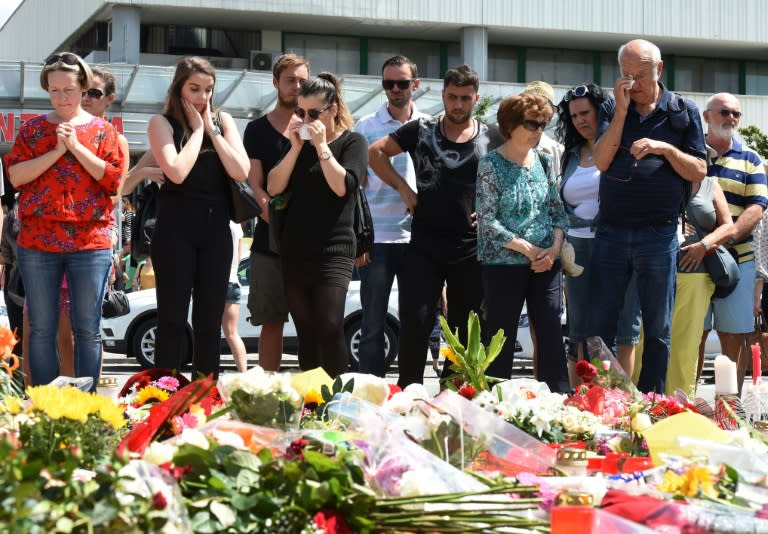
{"x": 261, "y": 60}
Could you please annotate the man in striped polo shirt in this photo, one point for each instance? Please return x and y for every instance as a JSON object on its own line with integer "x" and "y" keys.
{"x": 741, "y": 174}
{"x": 391, "y": 219}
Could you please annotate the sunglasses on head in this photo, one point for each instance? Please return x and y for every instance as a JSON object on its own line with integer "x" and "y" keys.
{"x": 69, "y": 59}
{"x": 94, "y": 93}
{"x": 388, "y": 85}
{"x": 576, "y": 92}
{"x": 532, "y": 125}
{"x": 314, "y": 114}
{"x": 729, "y": 112}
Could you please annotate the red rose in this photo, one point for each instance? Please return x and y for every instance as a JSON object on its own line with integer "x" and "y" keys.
{"x": 467, "y": 391}
{"x": 586, "y": 371}
{"x": 295, "y": 451}
{"x": 159, "y": 502}
{"x": 331, "y": 521}
{"x": 393, "y": 388}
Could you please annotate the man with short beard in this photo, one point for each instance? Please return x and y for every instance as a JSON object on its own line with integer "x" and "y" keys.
{"x": 391, "y": 220}
{"x": 443, "y": 247}
{"x": 266, "y": 140}
{"x": 740, "y": 172}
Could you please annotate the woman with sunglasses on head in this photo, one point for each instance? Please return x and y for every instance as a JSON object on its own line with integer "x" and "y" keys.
{"x": 198, "y": 150}
{"x": 67, "y": 165}
{"x": 521, "y": 224}
{"x": 580, "y": 182}
{"x": 317, "y": 240}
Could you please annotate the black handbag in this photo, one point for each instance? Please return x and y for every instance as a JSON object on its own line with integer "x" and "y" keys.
{"x": 244, "y": 205}
{"x": 363, "y": 224}
{"x": 722, "y": 264}
{"x": 115, "y": 304}
{"x": 276, "y": 208}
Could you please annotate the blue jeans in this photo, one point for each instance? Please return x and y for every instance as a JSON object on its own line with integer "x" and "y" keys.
{"x": 387, "y": 261}
{"x": 651, "y": 253}
{"x": 580, "y": 303}
{"x": 87, "y": 273}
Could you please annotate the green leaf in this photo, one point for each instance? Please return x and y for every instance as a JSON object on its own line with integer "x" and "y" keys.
{"x": 452, "y": 338}
{"x": 223, "y": 513}
{"x": 203, "y": 523}
{"x": 494, "y": 348}
{"x": 349, "y": 386}
{"x": 320, "y": 462}
{"x": 473, "y": 339}
{"x": 325, "y": 392}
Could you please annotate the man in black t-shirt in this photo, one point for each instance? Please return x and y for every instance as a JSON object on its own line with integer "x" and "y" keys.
{"x": 266, "y": 140}
{"x": 443, "y": 248}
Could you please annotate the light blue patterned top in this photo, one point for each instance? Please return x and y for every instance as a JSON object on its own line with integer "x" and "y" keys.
{"x": 513, "y": 201}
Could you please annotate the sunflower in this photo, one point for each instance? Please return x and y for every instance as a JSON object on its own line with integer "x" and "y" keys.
{"x": 313, "y": 397}
{"x": 150, "y": 394}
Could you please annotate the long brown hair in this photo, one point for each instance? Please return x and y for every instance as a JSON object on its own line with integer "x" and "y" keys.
{"x": 327, "y": 85}
{"x": 185, "y": 67}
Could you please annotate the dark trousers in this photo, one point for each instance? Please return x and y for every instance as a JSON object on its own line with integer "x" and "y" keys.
{"x": 506, "y": 287}
{"x": 191, "y": 252}
{"x": 422, "y": 282}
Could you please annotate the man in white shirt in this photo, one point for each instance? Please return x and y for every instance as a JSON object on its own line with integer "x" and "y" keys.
{"x": 391, "y": 220}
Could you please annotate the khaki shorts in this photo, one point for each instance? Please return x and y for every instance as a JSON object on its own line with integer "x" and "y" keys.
{"x": 266, "y": 294}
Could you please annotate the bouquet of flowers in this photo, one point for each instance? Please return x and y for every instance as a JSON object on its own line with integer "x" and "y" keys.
{"x": 147, "y": 388}
{"x": 262, "y": 398}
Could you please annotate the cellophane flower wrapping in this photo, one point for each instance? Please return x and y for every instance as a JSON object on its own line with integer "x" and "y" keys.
{"x": 262, "y": 398}
{"x": 141, "y": 479}
{"x": 508, "y": 449}
{"x": 394, "y": 464}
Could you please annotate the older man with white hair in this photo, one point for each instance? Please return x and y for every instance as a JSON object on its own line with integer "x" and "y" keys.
{"x": 650, "y": 145}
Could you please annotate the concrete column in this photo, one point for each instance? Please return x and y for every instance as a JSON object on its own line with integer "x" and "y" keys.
{"x": 126, "y": 37}
{"x": 474, "y": 49}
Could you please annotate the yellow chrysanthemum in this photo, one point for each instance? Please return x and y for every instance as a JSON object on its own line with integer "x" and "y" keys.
{"x": 71, "y": 403}
{"x": 151, "y": 394}
{"x": 448, "y": 354}
{"x": 671, "y": 483}
{"x": 112, "y": 414}
{"x": 699, "y": 481}
{"x": 11, "y": 405}
{"x": 313, "y": 397}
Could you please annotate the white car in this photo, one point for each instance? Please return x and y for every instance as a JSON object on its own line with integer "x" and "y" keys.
{"x": 134, "y": 334}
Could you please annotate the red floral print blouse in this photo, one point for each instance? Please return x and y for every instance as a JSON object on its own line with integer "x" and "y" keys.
{"x": 65, "y": 209}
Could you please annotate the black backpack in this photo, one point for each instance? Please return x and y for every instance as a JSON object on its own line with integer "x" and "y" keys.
{"x": 363, "y": 224}
{"x": 144, "y": 222}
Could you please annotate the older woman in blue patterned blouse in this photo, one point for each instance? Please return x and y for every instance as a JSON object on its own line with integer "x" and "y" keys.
{"x": 521, "y": 227}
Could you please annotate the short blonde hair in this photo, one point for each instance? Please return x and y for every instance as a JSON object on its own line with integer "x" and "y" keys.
{"x": 66, "y": 62}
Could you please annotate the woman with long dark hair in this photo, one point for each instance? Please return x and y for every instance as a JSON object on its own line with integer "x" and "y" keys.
{"x": 317, "y": 241}
{"x": 198, "y": 150}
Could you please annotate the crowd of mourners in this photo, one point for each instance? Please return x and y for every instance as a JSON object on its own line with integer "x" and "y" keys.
{"x": 467, "y": 216}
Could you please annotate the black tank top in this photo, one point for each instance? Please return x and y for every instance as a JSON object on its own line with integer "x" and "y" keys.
{"x": 207, "y": 181}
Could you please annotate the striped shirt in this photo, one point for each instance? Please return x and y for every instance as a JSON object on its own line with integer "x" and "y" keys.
{"x": 741, "y": 174}
{"x": 391, "y": 222}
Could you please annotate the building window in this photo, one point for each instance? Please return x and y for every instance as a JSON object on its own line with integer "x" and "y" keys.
{"x": 703, "y": 75}
{"x": 96, "y": 38}
{"x": 757, "y": 78}
{"x": 210, "y": 42}
{"x": 610, "y": 71}
{"x": 559, "y": 67}
{"x": 502, "y": 63}
{"x": 425, "y": 54}
{"x": 340, "y": 55}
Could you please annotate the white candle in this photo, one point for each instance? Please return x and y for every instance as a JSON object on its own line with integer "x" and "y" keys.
{"x": 725, "y": 376}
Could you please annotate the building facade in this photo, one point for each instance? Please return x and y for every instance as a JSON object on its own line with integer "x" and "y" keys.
{"x": 707, "y": 45}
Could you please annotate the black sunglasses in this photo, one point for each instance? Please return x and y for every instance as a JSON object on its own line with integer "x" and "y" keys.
{"x": 532, "y": 125}
{"x": 314, "y": 114}
{"x": 632, "y": 169}
{"x": 69, "y": 59}
{"x": 388, "y": 85}
{"x": 576, "y": 92}
{"x": 94, "y": 93}
{"x": 728, "y": 112}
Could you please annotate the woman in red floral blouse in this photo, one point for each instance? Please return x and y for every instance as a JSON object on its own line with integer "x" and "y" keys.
{"x": 66, "y": 165}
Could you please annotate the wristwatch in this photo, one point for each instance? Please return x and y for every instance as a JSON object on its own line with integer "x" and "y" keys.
{"x": 214, "y": 132}
{"x": 325, "y": 155}
{"x": 706, "y": 245}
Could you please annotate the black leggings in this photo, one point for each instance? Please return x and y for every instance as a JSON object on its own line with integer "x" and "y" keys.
{"x": 191, "y": 251}
{"x": 316, "y": 296}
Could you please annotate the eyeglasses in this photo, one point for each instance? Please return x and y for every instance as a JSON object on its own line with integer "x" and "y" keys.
{"x": 532, "y": 125}
{"x": 69, "y": 59}
{"x": 94, "y": 93}
{"x": 576, "y": 92}
{"x": 388, "y": 85}
{"x": 314, "y": 114}
{"x": 631, "y": 169}
{"x": 728, "y": 113}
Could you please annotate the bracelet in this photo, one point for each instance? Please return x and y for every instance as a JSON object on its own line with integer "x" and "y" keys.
{"x": 706, "y": 245}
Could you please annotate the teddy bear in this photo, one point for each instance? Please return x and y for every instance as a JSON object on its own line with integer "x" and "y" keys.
{"x": 568, "y": 260}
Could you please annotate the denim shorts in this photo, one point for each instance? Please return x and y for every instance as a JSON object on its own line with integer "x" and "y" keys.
{"x": 233, "y": 293}
{"x": 734, "y": 314}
